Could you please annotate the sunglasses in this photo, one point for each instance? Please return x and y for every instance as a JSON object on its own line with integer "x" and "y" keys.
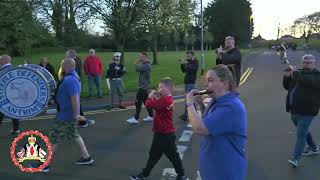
{"x": 306, "y": 62}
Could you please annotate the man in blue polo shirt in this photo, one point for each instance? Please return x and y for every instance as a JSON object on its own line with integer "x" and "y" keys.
{"x": 68, "y": 97}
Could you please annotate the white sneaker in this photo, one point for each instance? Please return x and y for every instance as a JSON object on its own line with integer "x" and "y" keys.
{"x": 148, "y": 119}
{"x": 132, "y": 121}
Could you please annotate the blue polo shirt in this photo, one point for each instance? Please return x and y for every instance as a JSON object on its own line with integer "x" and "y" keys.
{"x": 69, "y": 86}
{"x": 222, "y": 152}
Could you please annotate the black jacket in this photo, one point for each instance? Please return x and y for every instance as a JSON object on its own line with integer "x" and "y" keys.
{"x": 232, "y": 56}
{"x": 50, "y": 68}
{"x": 113, "y": 73}
{"x": 191, "y": 69}
{"x": 78, "y": 66}
{"x": 306, "y": 96}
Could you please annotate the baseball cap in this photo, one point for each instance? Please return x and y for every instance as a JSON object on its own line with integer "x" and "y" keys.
{"x": 117, "y": 54}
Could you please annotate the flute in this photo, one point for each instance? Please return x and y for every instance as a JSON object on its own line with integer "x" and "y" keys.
{"x": 202, "y": 92}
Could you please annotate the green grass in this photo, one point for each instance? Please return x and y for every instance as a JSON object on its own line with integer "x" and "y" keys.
{"x": 168, "y": 66}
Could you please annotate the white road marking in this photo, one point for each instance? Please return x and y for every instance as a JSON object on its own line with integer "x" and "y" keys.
{"x": 186, "y": 136}
{"x": 168, "y": 174}
{"x": 181, "y": 150}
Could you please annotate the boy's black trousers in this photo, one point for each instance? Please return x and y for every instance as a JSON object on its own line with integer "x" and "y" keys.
{"x": 163, "y": 144}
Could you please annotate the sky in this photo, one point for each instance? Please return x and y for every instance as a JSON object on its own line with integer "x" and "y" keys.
{"x": 267, "y": 14}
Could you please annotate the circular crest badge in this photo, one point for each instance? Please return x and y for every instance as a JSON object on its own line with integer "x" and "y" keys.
{"x": 31, "y": 151}
{"x": 24, "y": 92}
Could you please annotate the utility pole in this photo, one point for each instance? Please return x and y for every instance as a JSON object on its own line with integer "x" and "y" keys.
{"x": 202, "y": 54}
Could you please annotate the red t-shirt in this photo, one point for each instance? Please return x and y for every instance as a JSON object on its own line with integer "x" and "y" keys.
{"x": 163, "y": 107}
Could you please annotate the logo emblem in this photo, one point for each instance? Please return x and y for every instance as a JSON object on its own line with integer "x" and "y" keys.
{"x": 31, "y": 151}
{"x": 24, "y": 92}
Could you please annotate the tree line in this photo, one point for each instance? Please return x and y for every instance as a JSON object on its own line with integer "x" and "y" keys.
{"x": 128, "y": 25}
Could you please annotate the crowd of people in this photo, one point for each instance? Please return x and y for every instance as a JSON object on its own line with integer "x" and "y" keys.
{"x": 222, "y": 125}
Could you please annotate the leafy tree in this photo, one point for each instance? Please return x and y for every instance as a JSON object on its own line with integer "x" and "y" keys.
{"x": 65, "y": 17}
{"x": 19, "y": 29}
{"x": 229, "y": 17}
{"x": 119, "y": 17}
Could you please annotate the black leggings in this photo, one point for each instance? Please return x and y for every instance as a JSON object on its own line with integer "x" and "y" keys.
{"x": 141, "y": 97}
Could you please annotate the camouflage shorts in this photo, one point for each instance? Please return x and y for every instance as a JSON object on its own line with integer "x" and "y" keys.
{"x": 63, "y": 129}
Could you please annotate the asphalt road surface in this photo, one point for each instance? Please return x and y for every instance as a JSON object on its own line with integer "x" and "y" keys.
{"x": 120, "y": 149}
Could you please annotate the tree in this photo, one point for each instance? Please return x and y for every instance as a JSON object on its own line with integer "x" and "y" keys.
{"x": 208, "y": 39}
{"x": 161, "y": 17}
{"x": 120, "y": 18}
{"x": 222, "y": 22}
{"x": 314, "y": 21}
{"x": 65, "y": 17}
{"x": 19, "y": 29}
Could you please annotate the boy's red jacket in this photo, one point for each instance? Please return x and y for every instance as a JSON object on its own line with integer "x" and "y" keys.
{"x": 163, "y": 107}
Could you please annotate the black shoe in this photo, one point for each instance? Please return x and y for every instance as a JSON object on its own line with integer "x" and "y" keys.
{"x": 183, "y": 117}
{"x": 46, "y": 169}
{"x": 85, "y": 161}
{"x": 122, "y": 107}
{"x": 82, "y": 124}
{"x": 138, "y": 177}
{"x": 86, "y": 123}
{"x": 14, "y": 133}
{"x": 181, "y": 178}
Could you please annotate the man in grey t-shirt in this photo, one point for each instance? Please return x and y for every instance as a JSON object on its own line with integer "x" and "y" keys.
{"x": 143, "y": 67}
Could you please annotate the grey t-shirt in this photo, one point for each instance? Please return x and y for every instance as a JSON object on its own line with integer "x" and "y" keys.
{"x": 144, "y": 70}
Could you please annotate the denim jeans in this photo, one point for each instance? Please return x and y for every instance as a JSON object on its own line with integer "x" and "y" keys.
{"x": 187, "y": 89}
{"x": 303, "y": 135}
{"x": 116, "y": 90}
{"x": 96, "y": 80}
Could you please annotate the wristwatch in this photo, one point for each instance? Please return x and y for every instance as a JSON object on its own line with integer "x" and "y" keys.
{"x": 189, "y": 104}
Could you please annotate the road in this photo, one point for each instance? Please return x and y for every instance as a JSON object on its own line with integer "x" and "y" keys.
{"x": 120, "y": 149}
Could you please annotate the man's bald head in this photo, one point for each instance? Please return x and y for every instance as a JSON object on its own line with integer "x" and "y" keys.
{"x": 5, "y": 59}
{"x": 68, "y": 64}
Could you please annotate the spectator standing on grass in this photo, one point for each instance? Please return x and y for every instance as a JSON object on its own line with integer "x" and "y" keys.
{"x": 46, "y": 64}
{"x": 114, "y": 75}
{"x": 189, "y": 65}
{"x": 93, "y": 69}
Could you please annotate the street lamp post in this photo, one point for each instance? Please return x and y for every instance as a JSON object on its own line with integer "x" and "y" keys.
{"x": 250, "y": 32}
{"x": 202, "y": 54}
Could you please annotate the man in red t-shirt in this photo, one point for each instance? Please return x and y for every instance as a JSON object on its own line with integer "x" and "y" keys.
{"x": 93, "y": 68}
{"x": 164, "y": 132}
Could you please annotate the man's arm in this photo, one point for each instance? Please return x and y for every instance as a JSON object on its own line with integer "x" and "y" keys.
{"x": 85, "y": 66}
{"x": 286, "y": 82}
{"x": 232, "y": 58}
{"x": 100, "y": 66}
{"x": 183, "y": 67}
{"x": 75, "y": 105}
{"x": 108, "y": 71}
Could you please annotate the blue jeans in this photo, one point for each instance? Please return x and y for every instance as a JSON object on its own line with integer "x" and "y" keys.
{"x": 96, "y": 80}
{"x": 302, "y": 123}
{"x": 187, "y": 89}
